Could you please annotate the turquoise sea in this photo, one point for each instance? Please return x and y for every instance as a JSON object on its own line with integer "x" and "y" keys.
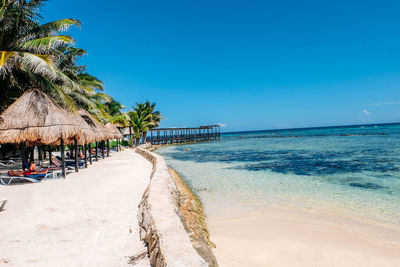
{"x": 351, "y": 171}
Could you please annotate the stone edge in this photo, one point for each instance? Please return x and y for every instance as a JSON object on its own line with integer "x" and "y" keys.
{"x": 160, "y": 220}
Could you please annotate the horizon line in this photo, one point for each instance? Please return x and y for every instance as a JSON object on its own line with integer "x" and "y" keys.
{"x": 313, "y": 127}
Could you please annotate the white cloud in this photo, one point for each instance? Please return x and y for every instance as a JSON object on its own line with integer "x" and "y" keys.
{"x": 366, "y": 112}
{"x": 222, "y": 124}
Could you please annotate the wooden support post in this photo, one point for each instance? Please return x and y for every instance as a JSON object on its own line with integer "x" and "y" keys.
{"x": 39, "y": 154}
{"x": 108, "y": 148}
{"x": 102, "y": 148}
{"x": 32, "y": 154}
{"x": 85, "y": 154}
{"x": 97, "y": 154}
{"x": 130, "y": 136}
{"x": 76, "y": 155}
{"x": 50, "y": 156}
{"x": 90, "y": 153}
{"x": 63, "y": 159}
{"x": 23, "y": 148}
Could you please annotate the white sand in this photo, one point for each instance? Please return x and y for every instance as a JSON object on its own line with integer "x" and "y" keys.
{"x": 88, "y": 219}
{"x": 279, "y": 237}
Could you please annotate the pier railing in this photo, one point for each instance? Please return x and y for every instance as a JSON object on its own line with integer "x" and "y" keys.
{"x": 160, "y": 136}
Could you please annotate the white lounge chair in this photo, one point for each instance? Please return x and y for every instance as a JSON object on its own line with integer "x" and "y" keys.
{"x": 10, "y": 179}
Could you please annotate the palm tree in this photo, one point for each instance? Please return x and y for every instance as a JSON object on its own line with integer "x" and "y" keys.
{"x": 153, "y": 117}
{"x": 140, "y": 124}
{"x": 38, "y": 56}
{"x": 30, "y": 52}
{"x": 117, "y": 117}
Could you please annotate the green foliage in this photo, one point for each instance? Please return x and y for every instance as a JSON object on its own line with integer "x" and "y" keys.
{"x": 143, "y": 118}
{"x": 34, "y": 55}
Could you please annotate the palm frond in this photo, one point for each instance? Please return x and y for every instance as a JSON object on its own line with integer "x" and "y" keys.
{"x": 47, "y": 43}
{"x": 83, "y": 100}
{"x": 40, "y": 64}
{"x": 61, "y": 96}
{"x": 90, "y": 81}
{"x": 2, "y": 10}
{"x": 120, "y": 119}
{"x": 5, "y": 61}
{"x": 58, "y": 26}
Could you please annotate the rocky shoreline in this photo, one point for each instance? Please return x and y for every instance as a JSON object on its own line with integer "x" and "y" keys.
{"x": 171, "y": 220}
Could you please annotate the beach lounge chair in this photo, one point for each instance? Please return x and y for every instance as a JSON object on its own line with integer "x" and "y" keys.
{"x": 6, "y": 179}
{"x": 71, "y": 162}
{"x": 7, "y": 163}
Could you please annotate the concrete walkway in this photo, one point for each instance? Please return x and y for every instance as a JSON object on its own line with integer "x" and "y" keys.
{"x": 88, "y": 219}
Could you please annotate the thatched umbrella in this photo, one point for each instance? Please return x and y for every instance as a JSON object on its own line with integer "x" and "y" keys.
{"x": 35, "y": 119}
{"x": 99, "y": 132}
{"x": 114, "y": 133}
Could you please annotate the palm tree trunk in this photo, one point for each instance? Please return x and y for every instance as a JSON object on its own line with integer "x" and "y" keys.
{"x": 144, "y": 137}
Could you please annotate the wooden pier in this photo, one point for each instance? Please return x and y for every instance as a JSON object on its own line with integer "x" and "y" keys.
{"x": 160, "y": 136}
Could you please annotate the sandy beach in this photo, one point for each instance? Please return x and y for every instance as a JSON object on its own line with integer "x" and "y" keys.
{"x": 88, "y": 219}
{"x": 283, "y": 237}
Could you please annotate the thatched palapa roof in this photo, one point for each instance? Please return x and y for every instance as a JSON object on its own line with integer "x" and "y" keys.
{"x": 125, "y": 131}
{"x": 98, "y": 130}
{"x": 35, "y": 118}
{"x": 114, "y": 132}
{"x": 87, "y": 133}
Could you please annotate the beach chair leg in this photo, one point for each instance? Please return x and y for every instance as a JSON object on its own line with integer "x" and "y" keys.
{"x": 3, "y": 204}
{"x": 47, "y": 175}
{"x": 3, "y": 182}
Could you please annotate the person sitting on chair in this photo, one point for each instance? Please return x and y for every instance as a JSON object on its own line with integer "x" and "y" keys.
{"x": 33, "y": 170}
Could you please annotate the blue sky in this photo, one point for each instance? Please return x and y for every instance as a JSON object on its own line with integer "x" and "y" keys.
{"x": 246, "y": 64}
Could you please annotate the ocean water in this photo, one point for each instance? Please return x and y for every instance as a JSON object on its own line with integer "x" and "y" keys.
{"x": 349, "y": 171}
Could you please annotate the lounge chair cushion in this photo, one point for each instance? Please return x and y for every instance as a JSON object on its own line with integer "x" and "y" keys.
{"x": 36, "y": 176}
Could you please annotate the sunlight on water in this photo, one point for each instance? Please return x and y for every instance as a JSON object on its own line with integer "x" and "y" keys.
{"x": 353, "y": 171}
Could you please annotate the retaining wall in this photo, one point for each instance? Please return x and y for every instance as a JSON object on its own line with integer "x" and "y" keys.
{"x": 160, "y": 220}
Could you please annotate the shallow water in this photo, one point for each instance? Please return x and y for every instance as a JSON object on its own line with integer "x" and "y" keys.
{"x": 349, "y": 171}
